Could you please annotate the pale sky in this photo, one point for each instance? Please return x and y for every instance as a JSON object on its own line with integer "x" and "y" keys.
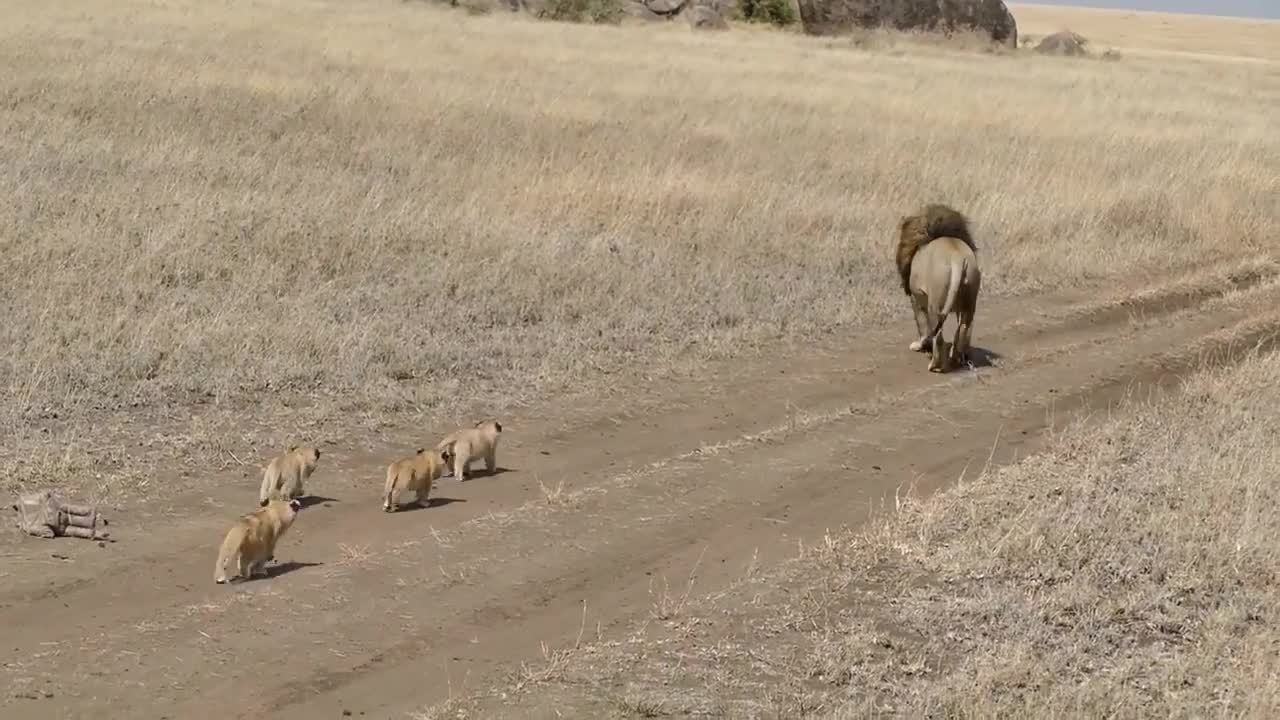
{"x": 1241, "y": 8}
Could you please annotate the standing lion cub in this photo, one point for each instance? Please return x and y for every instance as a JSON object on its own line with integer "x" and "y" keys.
{"x": 468, "y": 444}
{"x": 251, "y": 542}
{"x": 413, "y": 474}
{"x": 283, "y": 476}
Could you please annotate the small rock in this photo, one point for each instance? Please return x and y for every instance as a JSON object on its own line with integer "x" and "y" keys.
{"x": 704, "y": 18}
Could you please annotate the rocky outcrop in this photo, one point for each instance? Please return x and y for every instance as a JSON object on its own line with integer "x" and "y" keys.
{"x": 704, "y": 17}
{"x": 1063, "y": 43}
{"x": 831, "y": 17}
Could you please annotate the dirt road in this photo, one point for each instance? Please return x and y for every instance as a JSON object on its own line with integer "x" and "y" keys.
{"x": 603, "y": 514}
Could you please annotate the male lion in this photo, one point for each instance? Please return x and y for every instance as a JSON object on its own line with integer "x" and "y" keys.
{"x": 915, "y": 231}
{"x": 944, "y": 279}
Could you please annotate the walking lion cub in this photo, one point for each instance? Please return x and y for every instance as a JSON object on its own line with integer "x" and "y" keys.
{"x": 415, "y": 474}
{"x": 251, "y": 542}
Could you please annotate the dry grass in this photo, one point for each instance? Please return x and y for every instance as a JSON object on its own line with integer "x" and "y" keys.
{"x": 1154, "y": 33}
{"x": 231, "y": 224}
{"x": 1128, "y": 571}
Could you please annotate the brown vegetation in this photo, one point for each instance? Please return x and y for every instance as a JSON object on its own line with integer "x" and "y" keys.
{"x": 228, "y": 224}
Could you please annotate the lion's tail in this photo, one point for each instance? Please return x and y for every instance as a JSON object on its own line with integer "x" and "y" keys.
{"x": 953, "y": 289}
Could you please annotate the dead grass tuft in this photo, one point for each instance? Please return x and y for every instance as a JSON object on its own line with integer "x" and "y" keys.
{"x": 554, "y": 496}
{"x": 553, "y": 662}
{"x": 666, "y": 604}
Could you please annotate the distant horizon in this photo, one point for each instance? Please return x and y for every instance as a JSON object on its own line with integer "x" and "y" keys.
{"x": 1250, "y": 9}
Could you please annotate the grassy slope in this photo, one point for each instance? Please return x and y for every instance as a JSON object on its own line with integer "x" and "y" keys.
{"x": 1129, "y": 571}
{"x": 1156, "y": 34}
{"x": 213, "y": 212}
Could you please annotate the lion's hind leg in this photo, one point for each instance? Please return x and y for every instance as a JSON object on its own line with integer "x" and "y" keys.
{"x": 246, "y": 567}
{"x": 964, "y": 329}
{"x": 960, "y": 344}
{"x": 391, "y": 502}
{"x": 968, "y": 311}
{"x": 941, "y": 357}
{"x": 923, "y": 343}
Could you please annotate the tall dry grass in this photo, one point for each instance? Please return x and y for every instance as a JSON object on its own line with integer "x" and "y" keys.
{"x": 388, "y": 207}
{"x": 1151, "y": 33}
{"x": 1128, "y": 571}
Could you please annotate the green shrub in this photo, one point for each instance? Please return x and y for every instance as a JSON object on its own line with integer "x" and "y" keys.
{"x": 778, "y": 12}
{"x": 596, "y": 11}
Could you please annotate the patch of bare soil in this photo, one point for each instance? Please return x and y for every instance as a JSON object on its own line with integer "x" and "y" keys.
{"x": 603, "y": 516}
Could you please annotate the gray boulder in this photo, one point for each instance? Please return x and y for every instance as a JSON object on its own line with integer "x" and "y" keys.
{"x": 1063, "y": 43}
{"x": 704, "y": 17}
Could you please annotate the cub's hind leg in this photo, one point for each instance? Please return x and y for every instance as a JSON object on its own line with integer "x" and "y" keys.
{"x": 422, "y": 490}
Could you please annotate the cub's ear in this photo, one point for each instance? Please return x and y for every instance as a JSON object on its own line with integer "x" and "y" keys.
{"x": 497, "y": 426}
{"x": 444, "y": 455}
{"x": 292, "y": 448}
{"x": 419, "y": 451}
{"x": 263, "y": 503}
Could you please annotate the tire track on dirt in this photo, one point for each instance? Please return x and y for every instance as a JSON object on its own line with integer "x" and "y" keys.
{"x": 597, "y": 550}
{"x": 808, "y": 485}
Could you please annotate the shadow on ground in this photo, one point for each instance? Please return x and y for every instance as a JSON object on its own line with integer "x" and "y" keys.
{"x": 983, "y": 357}
{"x": 430, "y": 503}
{"x": 481, "y": 472}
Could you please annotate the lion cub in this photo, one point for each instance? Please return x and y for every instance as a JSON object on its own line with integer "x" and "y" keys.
{"x": 283, "y": 476}
{"x": 251, "y": 542}
{"x": 415, "y": 473}
{"x": 468, "y": 444}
